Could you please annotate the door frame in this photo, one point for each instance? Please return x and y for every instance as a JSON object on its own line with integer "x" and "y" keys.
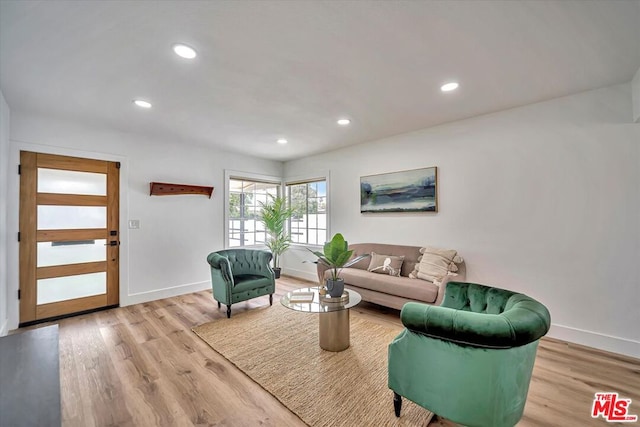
{"x": 30, "y": 236}
{"x": 13, "y": 203}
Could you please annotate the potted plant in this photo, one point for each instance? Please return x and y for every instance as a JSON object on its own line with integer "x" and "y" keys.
{"x": 274, "y": 215}
{"x": 336, "y": 255}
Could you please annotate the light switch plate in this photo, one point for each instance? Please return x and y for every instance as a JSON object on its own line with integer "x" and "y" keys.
{"x": 134, "y": 224}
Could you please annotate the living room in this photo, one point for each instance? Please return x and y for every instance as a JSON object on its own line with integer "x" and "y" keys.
{"x": 537, "y": 192}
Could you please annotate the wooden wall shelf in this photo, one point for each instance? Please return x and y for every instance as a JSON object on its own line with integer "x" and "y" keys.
{"x": 165, "y": 189}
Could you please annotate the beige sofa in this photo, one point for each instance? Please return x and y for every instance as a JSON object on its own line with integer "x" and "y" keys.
{"x": 386, "y": 290}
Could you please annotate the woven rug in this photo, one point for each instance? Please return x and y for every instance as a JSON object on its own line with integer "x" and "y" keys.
{"x": 278, "y": 348}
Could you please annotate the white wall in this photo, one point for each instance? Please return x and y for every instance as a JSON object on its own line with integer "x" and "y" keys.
{"x": 635, "y": 93}
{"x": 4, "y": 166}
{"x": 167, "y": 255}
{"x": 542, "y": 199}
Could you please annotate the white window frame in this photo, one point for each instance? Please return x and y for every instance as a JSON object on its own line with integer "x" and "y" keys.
{"x": 321, "y": 176}
{"x": 232, "y": 174}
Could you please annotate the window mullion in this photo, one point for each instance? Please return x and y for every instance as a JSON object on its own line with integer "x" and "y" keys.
{"x": 308, "y": 214}
{"x": 245, "y": 210}
{"x": 305, "y": 200}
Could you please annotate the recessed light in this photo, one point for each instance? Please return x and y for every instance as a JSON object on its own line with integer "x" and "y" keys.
{"x": 448, "y": 87}
{"x": 142, "y": 104}
{"x": 343, "y": 122}
{"x": 282, "y": 141}
{"x": 184, "y": 51}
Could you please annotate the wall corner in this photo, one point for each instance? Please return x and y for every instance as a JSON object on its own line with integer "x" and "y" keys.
{"x": 635, "y": 96}
{"x": 4, "y": 176}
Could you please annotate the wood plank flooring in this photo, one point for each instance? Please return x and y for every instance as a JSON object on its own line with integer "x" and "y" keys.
{"x": 142, "y": 366}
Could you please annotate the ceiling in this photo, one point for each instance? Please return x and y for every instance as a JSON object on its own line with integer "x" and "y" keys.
{"x": 283, "y": 69}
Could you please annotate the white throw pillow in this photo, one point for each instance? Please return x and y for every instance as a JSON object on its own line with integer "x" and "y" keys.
{"x": 435, "y": 264}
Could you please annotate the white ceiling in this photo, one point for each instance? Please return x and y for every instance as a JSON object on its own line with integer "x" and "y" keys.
{"x": 273, "y": 69}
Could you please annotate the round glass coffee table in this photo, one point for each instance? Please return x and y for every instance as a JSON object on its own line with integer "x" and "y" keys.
{"x": 334, "y": 314}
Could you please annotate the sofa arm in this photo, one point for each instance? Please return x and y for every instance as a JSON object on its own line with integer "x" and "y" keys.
{"x": 475, "y": 329}
{"x": 441, "y": 289}
{"x": 221, "y": 278}
{"x": 321, "y": 268}
{"x": 459, "y": 276}
{"x": 220, "y": 263}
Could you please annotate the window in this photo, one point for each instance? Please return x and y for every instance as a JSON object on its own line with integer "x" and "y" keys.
{"x": 245, "y": 197}
{"x": 308, "y": 224}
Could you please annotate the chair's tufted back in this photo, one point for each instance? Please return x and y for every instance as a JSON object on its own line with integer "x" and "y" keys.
{"x": 248, "y": 261}
{"x": 476, "y": 298}
{"x": 481, "y": 316}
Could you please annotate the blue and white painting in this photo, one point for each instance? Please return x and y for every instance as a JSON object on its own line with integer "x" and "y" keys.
{"x": 406, "y": 191}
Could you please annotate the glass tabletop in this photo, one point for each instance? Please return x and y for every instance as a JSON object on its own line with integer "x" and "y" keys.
{"x": 308, "y": 300}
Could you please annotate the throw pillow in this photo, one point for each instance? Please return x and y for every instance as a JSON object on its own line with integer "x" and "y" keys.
{"x": 385, "y": 264}
{"x": 435, "y": 264}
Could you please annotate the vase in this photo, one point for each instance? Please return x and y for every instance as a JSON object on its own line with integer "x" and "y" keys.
{"x": 335, "y": 287}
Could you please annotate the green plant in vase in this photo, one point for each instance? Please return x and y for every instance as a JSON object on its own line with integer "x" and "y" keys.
{"x": 274, "y": 215}
{"x": 336, "y": 255}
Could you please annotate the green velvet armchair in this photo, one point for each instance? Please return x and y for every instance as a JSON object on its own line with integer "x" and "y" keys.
{"x": 241, "y": 274}
{"x": 470, "y": 359}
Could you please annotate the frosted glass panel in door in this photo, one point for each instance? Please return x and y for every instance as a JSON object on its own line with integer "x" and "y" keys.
{"x": 70, "y": 287}
{"x": 59, "y": 253}
{"x": 71, "y": 182}
{"x": 65, "y": 217}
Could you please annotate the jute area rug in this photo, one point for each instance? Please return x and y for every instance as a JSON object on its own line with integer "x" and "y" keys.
{"x": 278, "y": 348}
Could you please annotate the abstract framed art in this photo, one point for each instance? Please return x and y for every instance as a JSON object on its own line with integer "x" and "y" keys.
{"x": 406, "y": 191}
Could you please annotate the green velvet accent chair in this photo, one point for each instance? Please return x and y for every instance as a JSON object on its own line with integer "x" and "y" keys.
{"x": 470, "y": 359}
{"x": 240, "y": 275}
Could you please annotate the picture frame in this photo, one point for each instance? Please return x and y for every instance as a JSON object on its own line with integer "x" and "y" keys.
{"x": 414, "y": 190}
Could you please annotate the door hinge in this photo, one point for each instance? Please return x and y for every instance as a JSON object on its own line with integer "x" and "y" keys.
{"x": 19, "y": 294}
{"x": 117, "y": 165}
{"x": 19, "y": 169}
{"x": 18, "y": 236}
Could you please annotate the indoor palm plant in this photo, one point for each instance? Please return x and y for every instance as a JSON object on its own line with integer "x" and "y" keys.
{"x": 336, "y": 255}
{"x": 274, "y": 215}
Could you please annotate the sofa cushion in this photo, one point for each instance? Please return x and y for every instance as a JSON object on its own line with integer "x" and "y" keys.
{"x": 417, "y": 290}
{"x": 245, "y": 282}
{"x": 385, "y": 264}
{"x": 410, "y": 253}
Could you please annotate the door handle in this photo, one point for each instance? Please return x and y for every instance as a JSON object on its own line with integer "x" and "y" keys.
{"x": 112, "y": 243}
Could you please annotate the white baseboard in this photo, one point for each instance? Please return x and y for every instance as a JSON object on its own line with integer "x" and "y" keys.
{"x": 3, "y": 328}
{"x": 157, "y": 294}
{"x": 301, "y": 274}
{"x": 594, "y": 339}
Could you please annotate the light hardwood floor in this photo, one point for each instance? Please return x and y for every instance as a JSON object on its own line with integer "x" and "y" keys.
{"x": 142, "y": 366}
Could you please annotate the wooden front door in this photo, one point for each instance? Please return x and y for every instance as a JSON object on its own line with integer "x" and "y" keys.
{"x": 69, "y": 236}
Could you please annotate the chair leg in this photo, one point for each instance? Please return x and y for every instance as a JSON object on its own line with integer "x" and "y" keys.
{"x": 219, "y": 305}
{"x": 270, "y": 299}
{"x": 229, "y": 311}
{"x": 397, "y": 403}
